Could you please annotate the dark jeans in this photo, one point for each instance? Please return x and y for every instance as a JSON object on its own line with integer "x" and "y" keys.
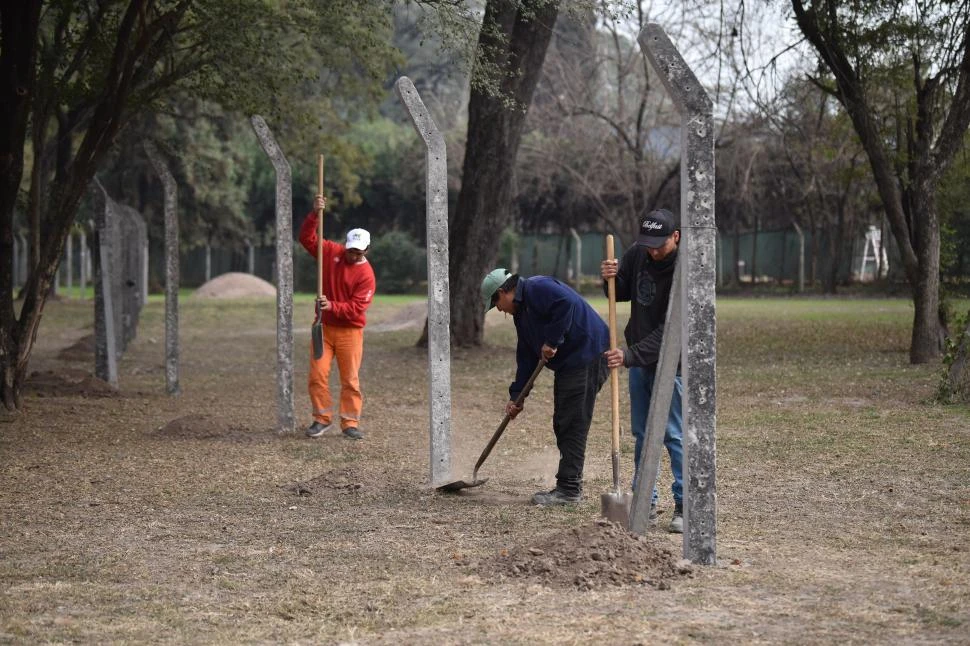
{"x": 574, "y": 394}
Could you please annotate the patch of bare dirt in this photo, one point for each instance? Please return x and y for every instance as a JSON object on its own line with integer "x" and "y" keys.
{"x": 80, "y": 350}
{"x": 341, "y": 480}
{"x": 235, "y": 285}
{"x": 68, "y": 382}
{"x": 411, "y": 315}
{"x": 590, "y": 557}
{"x": 202, "y": 426}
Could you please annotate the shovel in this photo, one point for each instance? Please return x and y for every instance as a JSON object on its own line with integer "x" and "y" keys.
{"x": 615, "y": 505}
{"x": 316, "y": 332}
{"x": 475, "y": 482}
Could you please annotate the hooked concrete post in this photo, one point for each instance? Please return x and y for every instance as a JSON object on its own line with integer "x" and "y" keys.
{"x": 84, "y": 263}
{"x": 105, "y": 346}
{"x": 69, "y": 243}
{"x": 170, "y": 201}
{"x": 698, "y": 323}
{"x": 439, "y": 307}
{"x": 801, "y": 257}
{"x": 24, "y": 258}
{"x": 15, "y": 266}
{"x": 284, "y": 275}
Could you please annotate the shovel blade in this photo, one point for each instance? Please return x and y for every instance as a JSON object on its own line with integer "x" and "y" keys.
{"x": 457, "y": 485}
{"x": 316, "y": 335}
{"x": 616, "y": 507}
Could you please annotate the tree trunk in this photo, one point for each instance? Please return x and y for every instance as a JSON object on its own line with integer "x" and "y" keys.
{"x": 925, "y": 343}
{"x": 513, "y": 40}
{"x": 19, "y": 23}
{"x": 939, "y": 122}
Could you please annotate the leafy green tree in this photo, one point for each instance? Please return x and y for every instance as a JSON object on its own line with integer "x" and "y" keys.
{"x": 901, "y": 70}
{"x": 73, "y": 74}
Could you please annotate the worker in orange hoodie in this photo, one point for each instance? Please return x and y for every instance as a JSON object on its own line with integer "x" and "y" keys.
{"x": 348, "y": 289}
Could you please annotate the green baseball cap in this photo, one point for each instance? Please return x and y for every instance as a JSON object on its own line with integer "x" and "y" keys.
{"x": 493, "y": 280}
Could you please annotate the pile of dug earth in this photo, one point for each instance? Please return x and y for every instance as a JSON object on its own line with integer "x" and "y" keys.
{"x": 235, "y": 285}
{"x": 595, "y": 556}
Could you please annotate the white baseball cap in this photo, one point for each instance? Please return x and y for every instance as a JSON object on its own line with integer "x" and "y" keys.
{"x": 358, "y": 239}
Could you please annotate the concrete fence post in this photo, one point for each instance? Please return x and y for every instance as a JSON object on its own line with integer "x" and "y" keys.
{"x": 283, "y": 270}
{"x": 84, "y": 263}
{"x": 16, "y": 261}
{"x": 439, "y": 307}
{"x": 24, "y": 258}
{"x": 105, "y": 329}
{"x": 801, "y": 257}
{"x": 69, "y": 243}
{"x": 170, "y": 204}
{"x": 697, "y": 294}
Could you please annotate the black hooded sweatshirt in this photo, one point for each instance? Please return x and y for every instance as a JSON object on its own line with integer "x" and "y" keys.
{"x": 646, "y": 284}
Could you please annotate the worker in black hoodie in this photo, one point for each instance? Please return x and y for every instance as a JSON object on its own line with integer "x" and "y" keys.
{"x": 643, "y": 277}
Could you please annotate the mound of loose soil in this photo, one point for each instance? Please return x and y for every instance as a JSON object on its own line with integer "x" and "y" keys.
{"x": 81, "y": 350}
{"x": 191, "y": 427}
{"x": 235, "y": 285}
{"x": 200, "y": 426}
{"x": 67, "y": 383}
{"x": 596, "y": 556}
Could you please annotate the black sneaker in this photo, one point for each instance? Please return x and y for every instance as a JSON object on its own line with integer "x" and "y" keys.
{"x": 316, "y": 429}
{"x": 353, "y": 433}
{"x": 556, "y": 497}
{"x": 677, "y": 522}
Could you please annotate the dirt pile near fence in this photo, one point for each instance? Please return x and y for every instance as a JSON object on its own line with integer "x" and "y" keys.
{"x": 67, "y": 382}
{"x": 81, "y": 350}
{"x": 203, "y": 426}
{"x": 599, "y": 555}
{"x": 235, "y": 285}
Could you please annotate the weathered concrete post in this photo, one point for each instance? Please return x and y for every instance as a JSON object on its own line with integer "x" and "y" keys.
{"x": 143, "y": 254}
{"x": 16, "y": 261}
{"x": 801, "y": 257}
{"x": 439, "y": 308}
{"x": 698, "y": 326}
{"x": 24, "y": 258}
{"x": 660, "y": 398}
{"x": 284, "y": 275}
{"x": 69, "y": 243}
{"x": 84, "y": 264}
{"x": 105, "y": 346}
{"x": 170, "y": 201}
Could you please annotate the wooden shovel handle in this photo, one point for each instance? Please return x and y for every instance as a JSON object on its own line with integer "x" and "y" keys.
{"x": 614, "y": 374}
{"x": 505, "y": 421}
{"x": 320, "y": 229}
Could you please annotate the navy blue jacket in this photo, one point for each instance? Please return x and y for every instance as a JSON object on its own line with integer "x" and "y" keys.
{"x": 550, "y": 312}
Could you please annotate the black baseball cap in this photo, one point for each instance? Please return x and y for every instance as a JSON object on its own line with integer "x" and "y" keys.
{"x": 656, "y": 227}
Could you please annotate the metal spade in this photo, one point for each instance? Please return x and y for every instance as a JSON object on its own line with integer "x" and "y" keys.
{"x": 475, "y": 482}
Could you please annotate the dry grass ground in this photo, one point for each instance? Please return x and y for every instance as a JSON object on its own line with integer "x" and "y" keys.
{"x": 843, "y": 495}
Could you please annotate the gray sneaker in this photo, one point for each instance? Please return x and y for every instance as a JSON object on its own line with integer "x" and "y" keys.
{"x": 677, "y": 522}
{"x": 556, "y": 497}
{"x": 316, "y": 429}
{"x": 652, "y": 518}
{"x": 353, "y": 433}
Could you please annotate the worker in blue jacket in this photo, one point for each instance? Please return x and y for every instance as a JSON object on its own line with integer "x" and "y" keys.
{"x": 554, "y": 322}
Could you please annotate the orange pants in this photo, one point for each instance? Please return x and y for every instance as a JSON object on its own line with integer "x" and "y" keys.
{"x": 347, "y": 345}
